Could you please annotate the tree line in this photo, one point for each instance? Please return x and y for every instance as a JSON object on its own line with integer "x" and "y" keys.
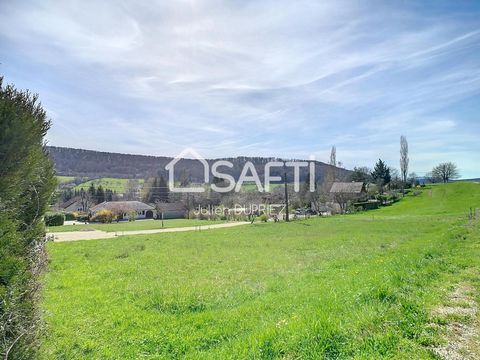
{"x": 97, "y": 195}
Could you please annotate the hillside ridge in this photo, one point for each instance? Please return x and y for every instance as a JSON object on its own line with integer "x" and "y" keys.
{"x": 92, "y": 163}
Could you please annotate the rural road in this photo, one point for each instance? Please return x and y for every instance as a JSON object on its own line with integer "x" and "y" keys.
{"x": 98, "y": 234}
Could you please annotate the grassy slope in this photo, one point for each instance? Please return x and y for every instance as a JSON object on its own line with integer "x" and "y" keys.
{"x": 134, "y": 225}
{"x": 355, "y": 286}
{"x": 117, "y": 184}
{"x": 120, "y": 184}
{"x": 64, "y": 179}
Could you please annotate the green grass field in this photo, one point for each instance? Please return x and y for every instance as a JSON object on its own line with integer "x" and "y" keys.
{"x": 134, "y": 225}
{"x": 120, "y": 184}
{"x": 117, "y": 184}
{"x": 64, "y": 179}
{"x": 356, "y": 286}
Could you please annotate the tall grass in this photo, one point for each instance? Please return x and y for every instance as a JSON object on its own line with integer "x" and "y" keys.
{"x": 356, "y": 286}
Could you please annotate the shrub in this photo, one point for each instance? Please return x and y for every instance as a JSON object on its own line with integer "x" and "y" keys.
{"x": 263, "y": 217}
{"x": 54, "y": 219}
{"x": 352, "y": 209}
{"x": 131, "y": 215}
{"x": 203, "y": 216}
{"x": 69, "y": 216}
{"x": 367, "y": 205}
{"x": 83, "y": 217}
{"x": 103, "y": 216}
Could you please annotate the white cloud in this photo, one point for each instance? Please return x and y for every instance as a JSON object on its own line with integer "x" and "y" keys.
{"x": 250, "y": 77}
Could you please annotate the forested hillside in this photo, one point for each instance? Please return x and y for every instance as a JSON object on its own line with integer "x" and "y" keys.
{"x": 78, "y": 162}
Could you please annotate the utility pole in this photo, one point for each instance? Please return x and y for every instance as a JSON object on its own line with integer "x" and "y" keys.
{"x": 286, "y": 194}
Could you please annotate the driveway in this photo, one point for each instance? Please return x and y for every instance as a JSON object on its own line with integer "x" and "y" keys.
{"x": 98, "y": 234}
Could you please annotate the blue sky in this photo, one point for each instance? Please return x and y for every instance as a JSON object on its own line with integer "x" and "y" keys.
{"x": 261, "y": 78}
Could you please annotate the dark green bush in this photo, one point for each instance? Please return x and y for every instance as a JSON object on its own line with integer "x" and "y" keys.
{"x": 367, "y": 205}
{"x": 69, "y": 216}
{"x": 54, "y": 219}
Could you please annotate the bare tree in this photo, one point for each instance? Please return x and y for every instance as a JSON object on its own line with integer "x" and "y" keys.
{"x": 343, "y": 199}
{"x": 404, "y": 160}
{"x": 133, "y": 190}
{"x": 85, "y": 200}
{"x": 396, "y": 181}
{"x": 412, "y": 179}
{"x": 333, "y": 156}
{"x": 118, "y": 210}
{"x": 331, "y": 175}
{"x": 161, "y": 209}
{"x": 322, "y": 193}
{"x": 446, "y": 172}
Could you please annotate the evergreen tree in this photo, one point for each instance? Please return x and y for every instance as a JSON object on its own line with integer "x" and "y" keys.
{"x": 381, "y": 174}
{"x": 108, "y": 195}
{"x": 91, "y": 190}
{"x": 67, "y": 194}
{"x": 100, "y": 194}
{"x": 157, "y": 190}
{"x": 27, "y": 182}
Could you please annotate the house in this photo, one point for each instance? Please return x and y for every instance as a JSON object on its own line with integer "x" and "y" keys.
{"x": 174, "y": 210}
{"x": 124, "y": 209}
{"x": 355, "y": 188}
{"x": 72, "y": 205}
{"x": 348, "y": 192}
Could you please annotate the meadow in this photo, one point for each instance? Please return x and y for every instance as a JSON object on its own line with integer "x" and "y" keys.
{"x": 64, "y": 179}
{"x": 359, "y": 286}
{"x": 118, "y": 185}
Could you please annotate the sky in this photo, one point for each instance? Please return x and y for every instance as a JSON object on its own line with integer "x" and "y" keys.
{"x": 255, "y": 78}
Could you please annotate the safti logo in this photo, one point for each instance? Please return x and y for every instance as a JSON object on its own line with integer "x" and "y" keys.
{"x": 249, "y": 174}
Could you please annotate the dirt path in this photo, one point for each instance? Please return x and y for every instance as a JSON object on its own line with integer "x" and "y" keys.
{"x": 460, "y": 326}
{"x": 98, "y": 234}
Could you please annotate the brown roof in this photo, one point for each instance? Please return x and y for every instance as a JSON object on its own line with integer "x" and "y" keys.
{"x": 124, "y": 205}
{"x": 72, "y": 201}
{"x": 175, "y": 206}
{"x": 348, "y": 187}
